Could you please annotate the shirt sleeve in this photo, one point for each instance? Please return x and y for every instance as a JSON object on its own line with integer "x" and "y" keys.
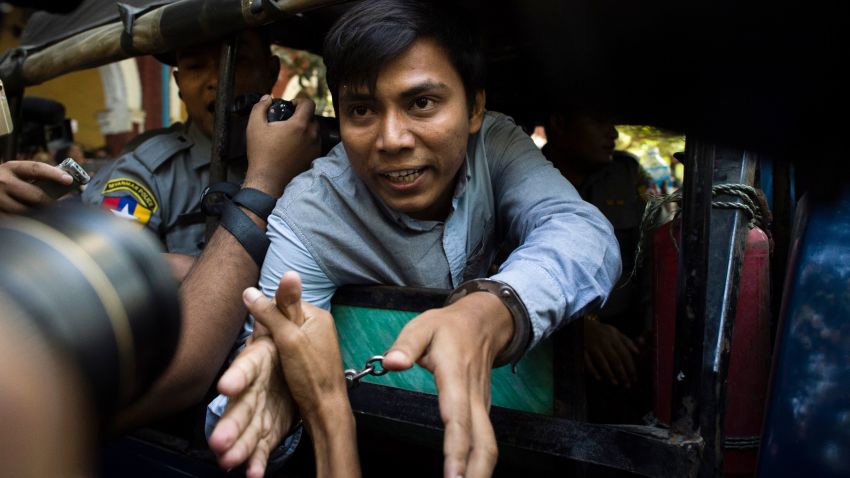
{"x": 128, "y": 189}
{"x": 567, "y": 259}
{"x": 288, "y": 253}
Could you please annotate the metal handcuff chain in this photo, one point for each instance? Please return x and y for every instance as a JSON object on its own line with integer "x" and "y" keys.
{"x": 374, "y": 366}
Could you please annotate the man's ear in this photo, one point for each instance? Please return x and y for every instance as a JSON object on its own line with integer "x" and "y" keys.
{"x": 176, "y": 74}
{"x": 274, "y": 71}
{"x": 476, "y": 115}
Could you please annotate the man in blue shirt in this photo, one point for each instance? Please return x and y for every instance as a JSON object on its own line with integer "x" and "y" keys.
{"x": 422, "y": 191}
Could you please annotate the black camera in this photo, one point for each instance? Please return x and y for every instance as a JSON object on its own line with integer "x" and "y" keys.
{"x": 280, "y": 110}
{"x": 97, "y": 289}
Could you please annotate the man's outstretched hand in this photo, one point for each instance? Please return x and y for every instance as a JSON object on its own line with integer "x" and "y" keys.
{"x": 303, "y": 341}
{"x": 458, "y": 344}
{"x": 260, "y": 409}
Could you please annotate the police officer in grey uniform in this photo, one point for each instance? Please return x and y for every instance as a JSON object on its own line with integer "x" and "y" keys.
{"x": 159, "y": 184}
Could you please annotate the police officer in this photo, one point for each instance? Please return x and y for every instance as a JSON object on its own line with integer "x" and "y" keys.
{"x": 159, "y": 184}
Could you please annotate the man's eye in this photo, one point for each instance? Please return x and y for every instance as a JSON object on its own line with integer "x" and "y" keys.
{"x": 423, "y": 102}
{"x": 359, "y": 110}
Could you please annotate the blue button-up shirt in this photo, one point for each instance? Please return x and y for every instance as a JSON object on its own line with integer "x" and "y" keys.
{"x": 333, "y": 231}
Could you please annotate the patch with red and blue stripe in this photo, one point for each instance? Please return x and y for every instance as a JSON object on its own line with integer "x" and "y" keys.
{"x": 127, "y": 207}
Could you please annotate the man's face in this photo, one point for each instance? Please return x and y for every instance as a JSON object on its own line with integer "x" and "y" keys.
{"x": 197, "y": 76}
{"x": 590, "y": 141}
{"x": 407, "y": 139}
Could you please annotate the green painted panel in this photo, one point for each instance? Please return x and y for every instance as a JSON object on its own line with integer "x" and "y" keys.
{"x": 365, "y": 332}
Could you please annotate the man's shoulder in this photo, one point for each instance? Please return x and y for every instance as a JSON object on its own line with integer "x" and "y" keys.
{"x": 493, "y": 120}
{"x": 329, "y": 175}
{"x": 155, "y": 149}
{"x": 499, "y": 130}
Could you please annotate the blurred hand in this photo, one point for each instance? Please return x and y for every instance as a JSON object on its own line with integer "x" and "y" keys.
{"x": 260, "y": 410}
{"x": 306, "y": 341}
{"x": 308, "y": 350}
{"x": 280, "y": 150}
{"x": 609, "y": 354}
{"x": 18, "y": 194}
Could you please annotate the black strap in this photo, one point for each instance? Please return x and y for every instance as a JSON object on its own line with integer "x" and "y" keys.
{"x": 216, "y": 196}
{"x": 256, "y": 201}
{"x": 246, "y": 231}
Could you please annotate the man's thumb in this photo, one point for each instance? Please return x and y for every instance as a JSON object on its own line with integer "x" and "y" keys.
{"x": 409, "y": 347}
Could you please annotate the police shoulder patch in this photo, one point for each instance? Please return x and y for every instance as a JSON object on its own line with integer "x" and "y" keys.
{"x": 140, "y": 192}
{"x": 127, "y": 207}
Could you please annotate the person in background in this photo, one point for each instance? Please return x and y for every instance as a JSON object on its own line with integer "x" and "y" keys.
{"x": 581, "y": 145}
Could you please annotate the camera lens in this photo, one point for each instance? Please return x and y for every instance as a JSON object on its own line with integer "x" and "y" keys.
{"x": 97, "y": 287}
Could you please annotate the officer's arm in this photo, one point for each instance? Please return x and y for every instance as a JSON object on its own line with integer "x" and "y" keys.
{"x": 212, "y": 316}
{"x": 211, "y": 295}
{"x": 180, "y": 264}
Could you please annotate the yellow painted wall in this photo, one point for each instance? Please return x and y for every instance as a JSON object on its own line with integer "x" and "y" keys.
{"x": 81, "y": 92}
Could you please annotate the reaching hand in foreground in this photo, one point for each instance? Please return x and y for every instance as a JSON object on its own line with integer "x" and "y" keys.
{"x": 305, "y": 342}
{"x": 259, "y": 412}
{"x": 458, "y": 344}
{"x": 17, "y": 193}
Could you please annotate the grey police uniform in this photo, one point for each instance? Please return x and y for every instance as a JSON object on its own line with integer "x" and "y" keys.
{"x": 159, "y": 185}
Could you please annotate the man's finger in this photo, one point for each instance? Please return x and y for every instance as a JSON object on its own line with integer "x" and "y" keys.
{"x": 11, "y": 206}
{"x": 288, "y": 297}
{"x": 243, "y": 371}
{"x": 258, "y": 115}
{"x": 32, "y": 170}
{"x": 237, "y": 417}
{"x": 245, "y": 444}
{"x": 602, "y": 362}
{"x": 485, "y": 451}
{"x": 269, "y": 317}
{"x": 615, "y": 360}
{"x": 409, "y": 347}
{"x": 257, "y": 462}
{"x": 304, "y": 109}
{"x": 630, "y": 344}
{"x": 627, "y": 360}
{"x": 588, "y": 362}
{"x": 453, "y": 397}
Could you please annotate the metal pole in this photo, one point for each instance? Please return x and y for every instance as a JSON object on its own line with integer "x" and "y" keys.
{"x": 223, "y": 100}
{"x": 175, "y": 25}
{"x": 691, "y": 291}
{"x": 728, "y": 236}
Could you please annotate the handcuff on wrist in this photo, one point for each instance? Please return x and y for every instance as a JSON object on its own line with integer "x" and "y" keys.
{"x": 516, "y": 348}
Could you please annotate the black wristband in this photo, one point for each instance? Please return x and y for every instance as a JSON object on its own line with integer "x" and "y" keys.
{"x": 255, "y": 201}
{"x": 246, "y": 231}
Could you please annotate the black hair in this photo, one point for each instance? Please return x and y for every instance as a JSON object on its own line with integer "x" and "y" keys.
{"x": 375, "y": 32}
